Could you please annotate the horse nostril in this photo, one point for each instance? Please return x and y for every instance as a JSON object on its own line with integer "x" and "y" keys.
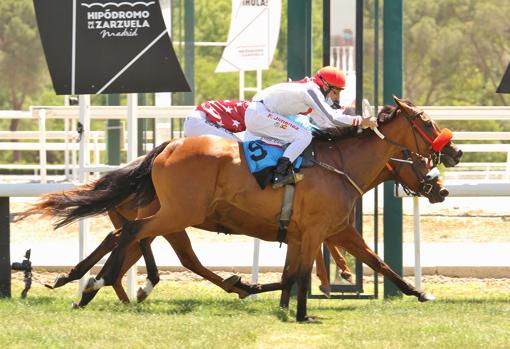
{"x": 459, "y": 154}
{"x": 444, "y": 192}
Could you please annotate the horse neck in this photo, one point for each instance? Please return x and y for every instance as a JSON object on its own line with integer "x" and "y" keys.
{"x": 384, "y": 175}
{"x": 364, "y": 167}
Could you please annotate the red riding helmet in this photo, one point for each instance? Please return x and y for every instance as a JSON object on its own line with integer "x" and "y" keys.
{"x": 330, "y": 77}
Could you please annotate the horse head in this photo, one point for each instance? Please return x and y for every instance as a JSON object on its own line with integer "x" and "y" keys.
{"x": 427, "y": 138}
{"x": 415, "y": 176}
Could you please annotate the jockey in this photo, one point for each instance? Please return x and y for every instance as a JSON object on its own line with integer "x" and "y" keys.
{"x": 220, "y": 118}
{"x": 267, "y": 115}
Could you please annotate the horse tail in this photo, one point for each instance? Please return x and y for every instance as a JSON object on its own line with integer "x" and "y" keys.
{"x": 101, "y": 195}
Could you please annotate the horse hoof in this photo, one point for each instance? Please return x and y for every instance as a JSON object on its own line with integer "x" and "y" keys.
{"x": 426, "y": 297}
{"x": 89, "y": 286}
{"x": 309, "y": 320}
{"x": 232, "y": 280}
{"x": 76, "y": 306}
{"x": 326, "y": 290}
{"x": 346, "y": 276}
{"x": 243, "y": 294}
{"x": 141, "y": 295}
{"x": 60, "y": 280}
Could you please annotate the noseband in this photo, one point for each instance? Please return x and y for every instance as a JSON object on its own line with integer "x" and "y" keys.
{"x": 426, "y": 180}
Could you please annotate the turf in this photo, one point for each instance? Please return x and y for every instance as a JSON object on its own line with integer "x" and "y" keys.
{"x": 194, "y": 314}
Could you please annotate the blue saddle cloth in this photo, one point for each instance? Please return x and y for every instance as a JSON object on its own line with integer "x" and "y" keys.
{"x": 262, "y": 159}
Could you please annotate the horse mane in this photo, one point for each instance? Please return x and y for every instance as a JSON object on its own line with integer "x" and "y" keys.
{"x": 386, "y": 114}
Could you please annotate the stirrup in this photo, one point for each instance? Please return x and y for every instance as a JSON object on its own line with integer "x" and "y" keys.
{"x": 290, "y": 178}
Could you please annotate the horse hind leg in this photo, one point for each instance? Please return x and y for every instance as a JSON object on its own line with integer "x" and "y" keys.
{"x": 152, "y": 270}
{"x": 133, "y": 231}
{"x": 85, "y": 265}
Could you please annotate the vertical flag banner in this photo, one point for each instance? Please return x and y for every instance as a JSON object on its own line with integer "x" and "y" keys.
{"x": 101, "y": 46}
{"x": 253, "y": 35}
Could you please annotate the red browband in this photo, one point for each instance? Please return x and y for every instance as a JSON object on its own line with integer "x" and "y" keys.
{"x": 442, "y": 139}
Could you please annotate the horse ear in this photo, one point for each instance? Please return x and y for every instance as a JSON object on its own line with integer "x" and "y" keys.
{"x": 403, "y": 105}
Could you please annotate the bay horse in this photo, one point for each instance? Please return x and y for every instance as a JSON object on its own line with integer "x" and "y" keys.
{"x": 411, "y": 171}
{"x": 224, "y": 193}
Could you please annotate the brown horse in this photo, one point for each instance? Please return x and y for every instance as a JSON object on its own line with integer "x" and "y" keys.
{"x": 410, "y": 171}
{"x": 414, "y": 177}
{"x": 223, "y": 193}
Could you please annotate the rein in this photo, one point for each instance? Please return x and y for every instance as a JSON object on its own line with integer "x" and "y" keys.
{"x": 341, "y": 173}
{"x": 424, "y": 180}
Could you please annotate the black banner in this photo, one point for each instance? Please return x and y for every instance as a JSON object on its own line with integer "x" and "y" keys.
{"x": 101, "y": 46}
{"x": 504, "y": 85}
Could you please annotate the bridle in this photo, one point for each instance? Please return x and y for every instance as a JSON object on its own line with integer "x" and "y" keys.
{"x": 426, "y": 180}
{"x": 436, "y": 144}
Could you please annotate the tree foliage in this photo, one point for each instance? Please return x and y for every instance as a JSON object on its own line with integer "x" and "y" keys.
{"x": 22, "y": 65}
{"x": 455, "y": 52}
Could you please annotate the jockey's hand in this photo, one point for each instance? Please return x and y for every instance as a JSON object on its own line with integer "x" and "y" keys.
{"x": 369, "y": 122}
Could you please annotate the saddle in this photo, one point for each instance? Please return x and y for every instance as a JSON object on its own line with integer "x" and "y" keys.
{"x": 262, "y": 159}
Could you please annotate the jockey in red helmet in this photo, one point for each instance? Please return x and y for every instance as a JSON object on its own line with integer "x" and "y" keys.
{"x": 267, "y": 115}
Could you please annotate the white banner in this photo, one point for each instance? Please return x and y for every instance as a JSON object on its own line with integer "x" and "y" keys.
{"x": 253, "y": 35}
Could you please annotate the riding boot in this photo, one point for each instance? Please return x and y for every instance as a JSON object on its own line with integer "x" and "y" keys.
{"x": 284, "y": 173}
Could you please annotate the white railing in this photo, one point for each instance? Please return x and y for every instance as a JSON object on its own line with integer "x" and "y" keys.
{"x": 65, "y": 140}
{"x": 477, "y": 170}
{"x": 342, "y": 57}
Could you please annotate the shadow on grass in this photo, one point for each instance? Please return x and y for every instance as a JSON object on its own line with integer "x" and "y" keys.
{"x": 185, "y": 306}
{"x": 35, "y": 300}
{"x": 468, "y": 301}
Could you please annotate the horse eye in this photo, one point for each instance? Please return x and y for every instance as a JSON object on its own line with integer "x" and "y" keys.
{"x": 428, "y": 123}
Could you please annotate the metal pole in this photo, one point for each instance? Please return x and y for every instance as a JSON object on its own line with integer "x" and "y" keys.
{"x": 299, "y": 39}
{"x": 255, "y": 262}
{"x": 241, "y": 85}
{"x": 113, "y": 128}
{"x": 256, "y": 242}
{"x": 376, "y": 108}
{"x": 417, "y": 242}
{"x": 326, "y": 32}
{"x": 392, "y": 76}
{"x": 131, "y": 155}
{"x": 5, "y": 256}
{"x": 66, "y": 152}
{"x": 189, "y": 48}
{"x": 83, "y": 161}
{"x": 42, "y": 144}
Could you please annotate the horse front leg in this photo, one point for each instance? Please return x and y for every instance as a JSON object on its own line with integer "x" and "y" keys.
{"x": 309, "y": 249}
{"x": 352, "y": 241}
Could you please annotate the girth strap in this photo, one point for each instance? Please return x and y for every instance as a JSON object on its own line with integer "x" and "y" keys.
{"x": 288, "y": 199}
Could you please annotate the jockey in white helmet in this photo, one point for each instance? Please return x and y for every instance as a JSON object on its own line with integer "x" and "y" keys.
{"x": 267, "y": 115}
